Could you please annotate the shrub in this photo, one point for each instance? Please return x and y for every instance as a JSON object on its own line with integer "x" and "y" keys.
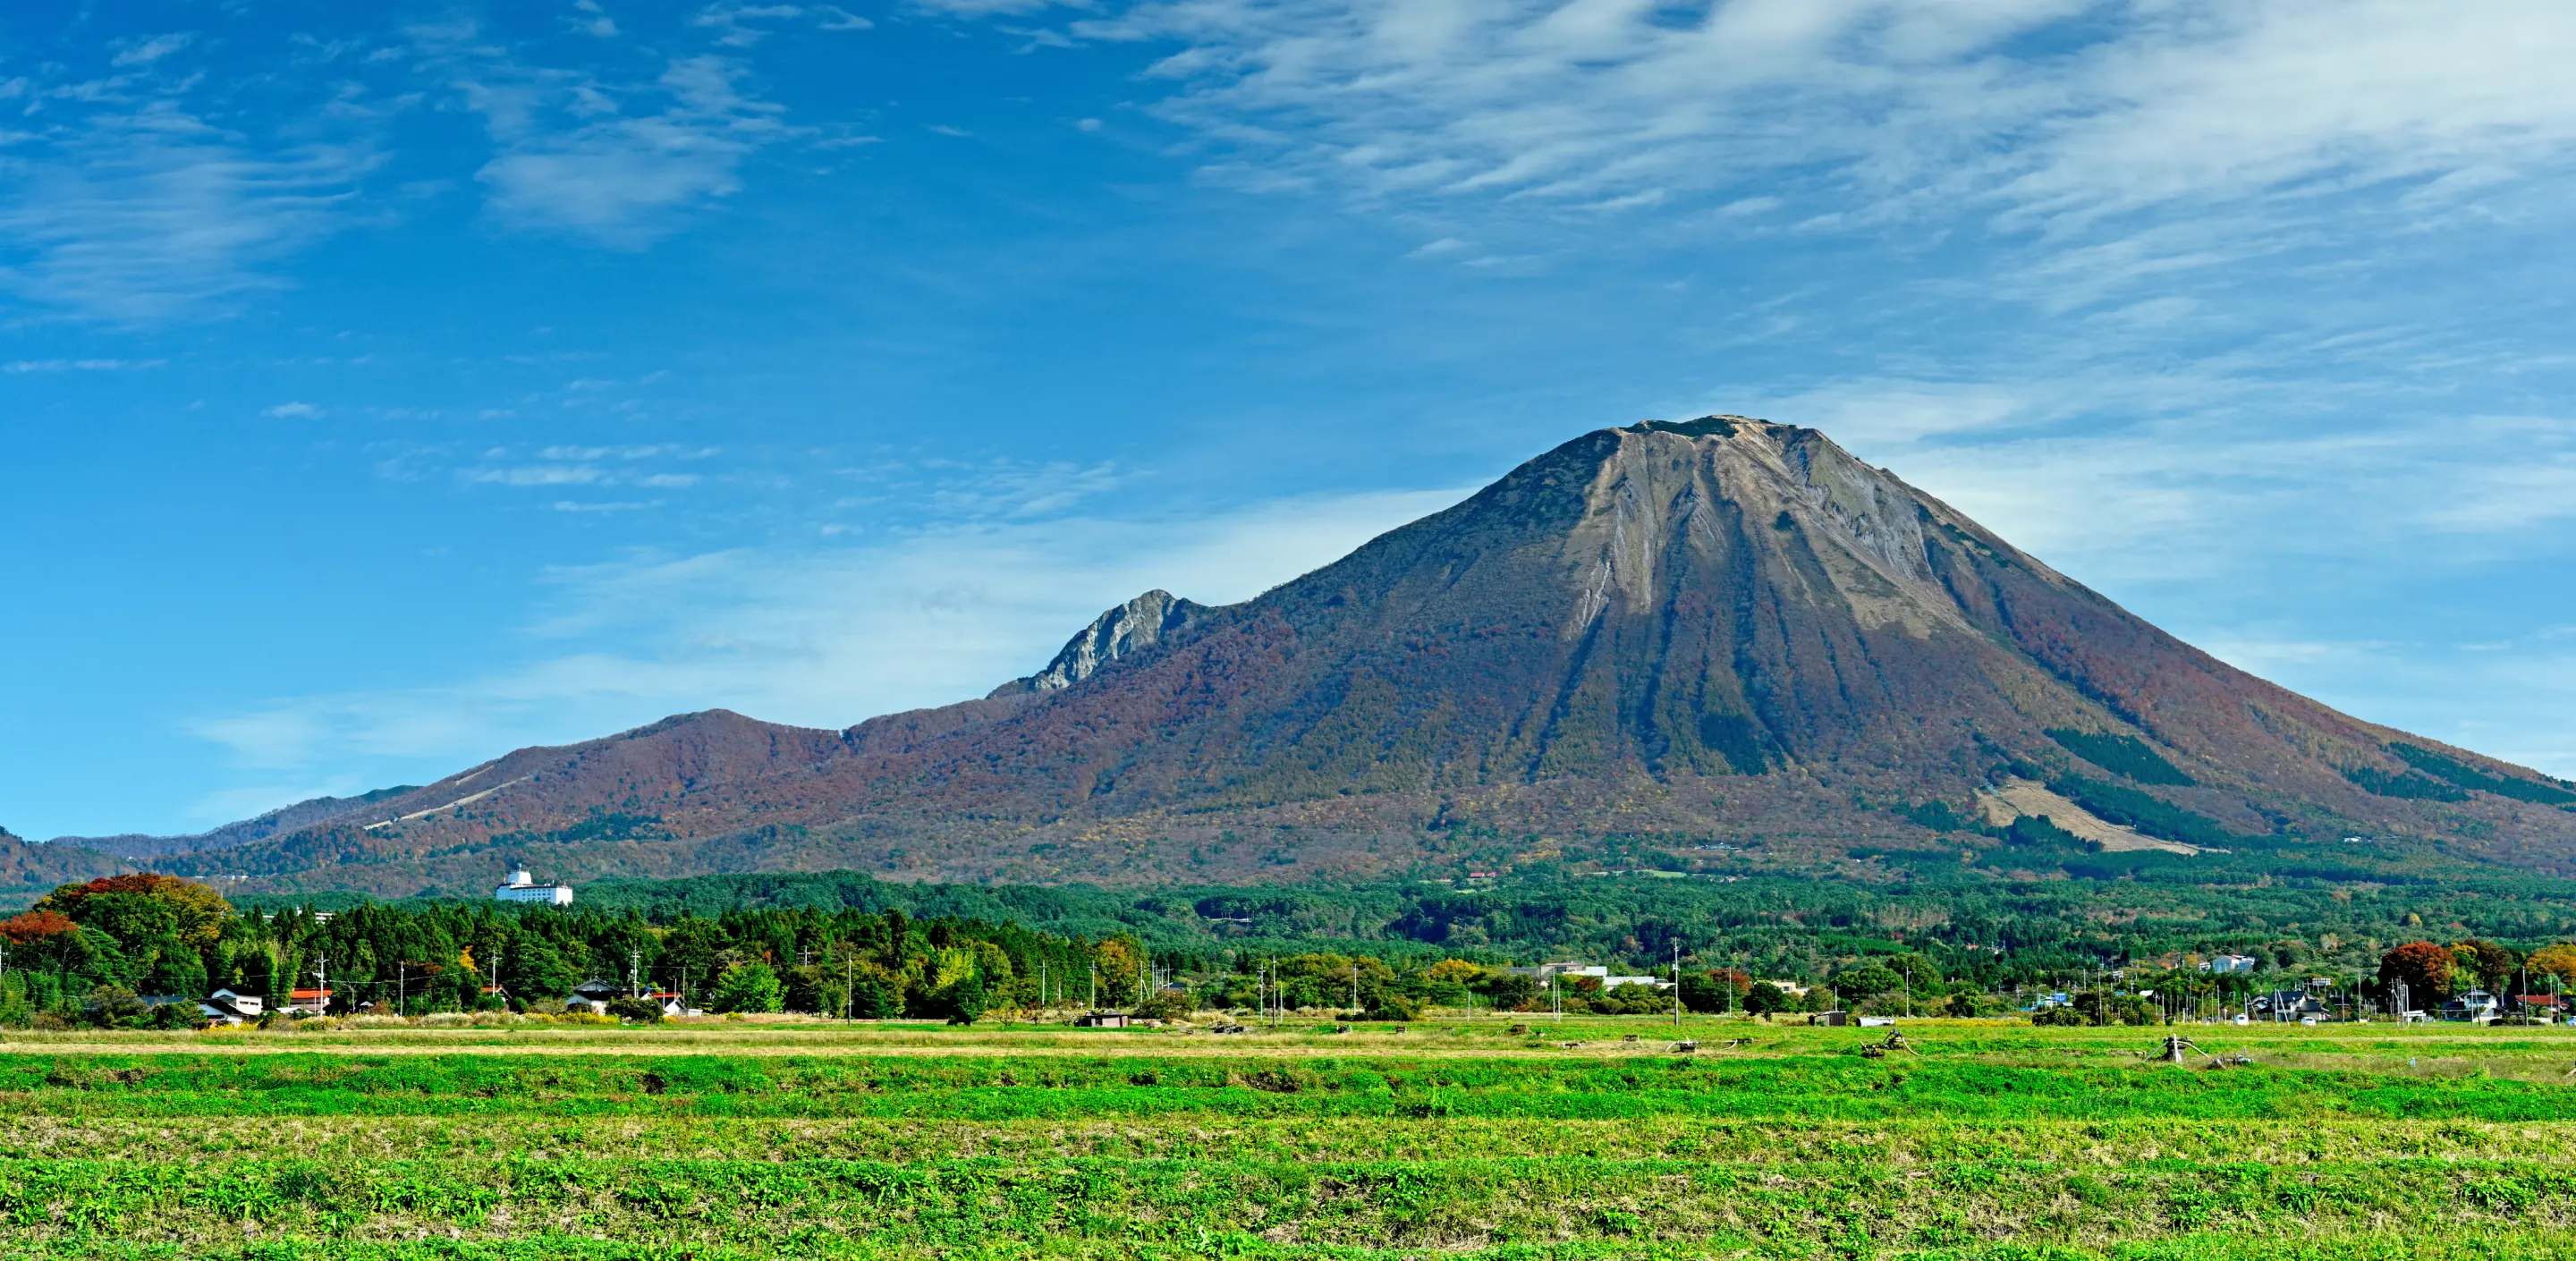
{"x": 1166, "y": 1005}
{"x": 1395, "y": 1007}
{"x": 640, "y": 1010}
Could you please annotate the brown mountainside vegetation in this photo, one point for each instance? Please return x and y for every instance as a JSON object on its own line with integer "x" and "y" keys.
{"x": 1721, "y": 645}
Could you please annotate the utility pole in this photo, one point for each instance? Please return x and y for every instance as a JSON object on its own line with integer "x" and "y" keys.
{"x": 1677, "y": 983}
{"x": 321, "y": 979}
{"x": 402, "y": 984}
{"x": 634, "y": 962}
{"x": 1355, "y": 984}
{"x": 849, "y": 982}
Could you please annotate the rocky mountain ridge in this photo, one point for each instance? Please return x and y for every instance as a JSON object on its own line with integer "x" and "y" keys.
{"x": 1713, "y": 645}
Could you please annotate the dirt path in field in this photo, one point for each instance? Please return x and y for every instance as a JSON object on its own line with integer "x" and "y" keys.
{"x": 2322, "y": 1047}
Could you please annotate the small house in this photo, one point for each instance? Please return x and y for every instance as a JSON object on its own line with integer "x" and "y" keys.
{"x": 311, "y": 1002}
{"x": 598, "y": 990}
{"x": 231, "y": 1007}
{"x": 1102, "y": 1020}
{"x": 2283, "y": 1006}
{"x": 1836, "y": 1019}
{"x": 2224, "y": 964}
{"x": 2471, "y": 1006}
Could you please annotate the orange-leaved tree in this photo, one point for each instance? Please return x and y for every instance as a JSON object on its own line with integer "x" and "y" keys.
{"x": 2423, "y": 966}
{"x": 2557, "y": 959}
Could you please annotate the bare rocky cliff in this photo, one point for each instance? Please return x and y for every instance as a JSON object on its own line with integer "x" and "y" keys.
{"x": 1123, "y": 631}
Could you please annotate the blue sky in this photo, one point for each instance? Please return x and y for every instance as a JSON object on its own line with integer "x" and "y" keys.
{"x": 384, "y": 387}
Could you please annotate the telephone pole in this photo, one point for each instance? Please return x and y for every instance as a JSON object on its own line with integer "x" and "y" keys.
{"x": 634, "y": 962}
{"x": 1677, "y": 983}
{"x": 322, "y": 979}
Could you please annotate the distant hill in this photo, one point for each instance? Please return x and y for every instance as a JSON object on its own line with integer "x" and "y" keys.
{"x": 302, "y": 814}
{"x": 29, "y": 868}
{"x": 1720, "y": 645}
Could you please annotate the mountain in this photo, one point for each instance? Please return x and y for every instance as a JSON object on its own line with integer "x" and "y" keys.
{"x": 1717, "y": 645}
{"x": 37, "y": 866}
{"x": 283, "y": 819}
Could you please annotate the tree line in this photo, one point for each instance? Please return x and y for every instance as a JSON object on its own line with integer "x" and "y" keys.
{"x": 98, "y": 951}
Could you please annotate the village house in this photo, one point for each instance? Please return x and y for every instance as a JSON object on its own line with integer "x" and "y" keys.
{"x": 2283, "y": 1006}
{"x": 2545, "y": 1006}
{"x": 2470, "y": 1006}
{"x": 231, "y": 1007}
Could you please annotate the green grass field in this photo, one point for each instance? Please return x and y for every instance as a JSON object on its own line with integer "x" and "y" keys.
{"x": 735, "y": 1139}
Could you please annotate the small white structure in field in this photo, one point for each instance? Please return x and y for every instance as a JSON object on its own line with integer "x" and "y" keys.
{"x": 524, "y": 888}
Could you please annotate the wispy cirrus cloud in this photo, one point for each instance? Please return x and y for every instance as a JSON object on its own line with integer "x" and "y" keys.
{"x": 80, "y": 365}
{"x": 619, "y": 161}
{"x": 130, "y": 207}
{"x": 2065, "y": 119}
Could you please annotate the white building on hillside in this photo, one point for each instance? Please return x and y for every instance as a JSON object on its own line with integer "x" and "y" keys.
{"x": 524, "y": 888}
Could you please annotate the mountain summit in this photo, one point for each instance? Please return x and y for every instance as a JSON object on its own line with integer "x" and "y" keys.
{"x": 1716, "y": 644}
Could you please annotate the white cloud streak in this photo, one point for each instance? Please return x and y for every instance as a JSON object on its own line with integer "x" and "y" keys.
{"x": 139, "y": 214}
{"x": 618, "y": 163}
{"x": 2048, "y": 116}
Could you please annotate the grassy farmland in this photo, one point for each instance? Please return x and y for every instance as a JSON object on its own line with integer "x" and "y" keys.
{"x": 742, "y": 1139}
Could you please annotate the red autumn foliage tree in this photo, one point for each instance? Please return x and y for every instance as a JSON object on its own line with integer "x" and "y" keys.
{"x": 30, "y": 926}
{"x": 2423, "y": 966}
